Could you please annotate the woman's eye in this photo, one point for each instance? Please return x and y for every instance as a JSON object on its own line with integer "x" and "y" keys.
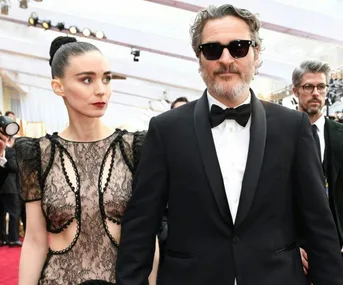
{"x": 107, "y": 79}
{"x": 87, "y": 80}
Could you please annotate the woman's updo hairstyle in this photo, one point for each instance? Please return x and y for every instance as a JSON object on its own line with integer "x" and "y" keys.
{"x": 61, "y": 49}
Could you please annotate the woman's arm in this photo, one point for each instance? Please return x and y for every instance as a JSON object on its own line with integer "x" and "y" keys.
{"x": 35, "y": 246}
{"x": 153, "y": 274}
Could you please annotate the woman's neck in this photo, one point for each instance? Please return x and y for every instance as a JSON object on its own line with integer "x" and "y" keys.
{"x": 86, "y": 130}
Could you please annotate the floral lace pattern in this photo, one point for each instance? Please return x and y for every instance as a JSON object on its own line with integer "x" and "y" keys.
{"x": 86, "y": 183}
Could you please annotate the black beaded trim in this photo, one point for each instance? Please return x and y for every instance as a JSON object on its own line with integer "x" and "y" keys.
{"x": 111, "y": 148}
{"x": 44, "y": 174}
{"x": 62, "y": 228}
{"x": 125, "y": 156}
{"x": 103, "y": 189}
{"x": 77, "y": 196}
{"x": 39, "y": 163}
{"x": 51, "y": 159}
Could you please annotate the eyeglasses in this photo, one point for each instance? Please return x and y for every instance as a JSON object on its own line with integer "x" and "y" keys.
{"x": 237, "y": 49}
{"x": 309, "y": 88}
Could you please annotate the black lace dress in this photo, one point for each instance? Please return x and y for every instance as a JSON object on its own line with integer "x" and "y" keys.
{"x": 84, "y": 184}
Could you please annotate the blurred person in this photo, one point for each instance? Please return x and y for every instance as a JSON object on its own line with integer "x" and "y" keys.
{"x": 4, "y": 171}
{"x": 76, "y": 183}
{"x": 179, "y": 102}
{"x": 310, "y": 85}
{"x": 11, "y": 115}
{"x": 10, "y": 201}
{"x": 237, "y": 173}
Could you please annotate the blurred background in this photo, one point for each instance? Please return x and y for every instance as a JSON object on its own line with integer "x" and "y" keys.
{"x": 148, "y": 45}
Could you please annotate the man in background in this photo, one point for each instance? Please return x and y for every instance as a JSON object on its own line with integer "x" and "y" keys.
{"x": 10, "y": 202}
{"x": 310, "y": 85}
{"x": 179, "y": 102}
{"x": 4, "y": 171}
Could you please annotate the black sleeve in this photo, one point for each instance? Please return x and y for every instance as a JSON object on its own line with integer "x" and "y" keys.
{"x": 319, "y": 232}
{"x": 144, "y": 212}
{"x": 27, "y": 151}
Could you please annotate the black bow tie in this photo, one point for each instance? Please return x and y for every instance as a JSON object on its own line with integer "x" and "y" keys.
{"x": 241, "y": 114}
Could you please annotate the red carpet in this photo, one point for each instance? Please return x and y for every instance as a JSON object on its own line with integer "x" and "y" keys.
{"x": 9, "y": 265}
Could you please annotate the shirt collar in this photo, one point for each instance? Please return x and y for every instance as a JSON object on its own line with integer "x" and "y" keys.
{"x": 320, "y": 123}
{"x": 214, "y": 101}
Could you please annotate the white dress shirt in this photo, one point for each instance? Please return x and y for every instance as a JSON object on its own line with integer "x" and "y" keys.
{"x": 231, "y": 141}
{"x": 320, "y": 123}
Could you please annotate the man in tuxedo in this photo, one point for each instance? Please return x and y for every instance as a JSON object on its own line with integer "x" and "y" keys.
{"x": 234, "y": 171}
{"x": 310, "y": 85}
{"x": 163, "y": 231}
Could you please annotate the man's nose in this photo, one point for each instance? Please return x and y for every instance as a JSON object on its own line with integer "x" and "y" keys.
{"x": 226, "y": 57}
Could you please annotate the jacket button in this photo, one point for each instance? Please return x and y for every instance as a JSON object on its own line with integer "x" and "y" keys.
{"x": 236, "y": 239}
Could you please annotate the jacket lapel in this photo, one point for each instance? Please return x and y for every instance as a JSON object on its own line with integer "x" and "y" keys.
{"x": 209, "y": 156}
{"x": 258, "y": 133}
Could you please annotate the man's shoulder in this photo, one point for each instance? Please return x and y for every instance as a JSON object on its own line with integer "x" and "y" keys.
{"x": 181, "y": 112}
{"x": 334, "y": 126}
{"x": 280, "y": 111}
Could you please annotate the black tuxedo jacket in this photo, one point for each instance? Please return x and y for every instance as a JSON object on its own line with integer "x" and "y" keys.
{"x": 334, "y": 171}
{"x": 283, "y": 177}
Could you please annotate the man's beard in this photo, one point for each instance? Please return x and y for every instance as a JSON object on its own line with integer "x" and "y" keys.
{"x": 313, "y": 110}
{"x": 224, "y": 89}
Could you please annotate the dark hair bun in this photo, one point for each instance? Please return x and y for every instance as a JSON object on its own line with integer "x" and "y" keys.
{"x": 57, "y": 43}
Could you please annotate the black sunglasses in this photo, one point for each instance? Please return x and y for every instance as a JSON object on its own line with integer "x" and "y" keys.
{"x": 237, "y": 49}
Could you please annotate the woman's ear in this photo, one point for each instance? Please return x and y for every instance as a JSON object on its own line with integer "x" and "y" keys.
{"x": 57, "y": 87}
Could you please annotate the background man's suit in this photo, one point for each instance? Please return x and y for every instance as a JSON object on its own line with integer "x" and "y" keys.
{"x": 333, "y": 163}
{"x": 9, "y": 199}
{"x": 3, "y": 175}
{"x": 283, "y": 175}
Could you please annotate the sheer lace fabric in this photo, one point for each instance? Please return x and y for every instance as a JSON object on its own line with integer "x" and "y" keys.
{"x": 87, "y": 184}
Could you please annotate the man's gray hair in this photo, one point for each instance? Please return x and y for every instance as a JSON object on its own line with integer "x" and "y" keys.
{"x": 214, "y": 12}
{"x": 310, "y": 66}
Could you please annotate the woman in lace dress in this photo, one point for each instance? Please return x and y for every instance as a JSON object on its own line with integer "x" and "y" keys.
{"x": 76, "y": 183}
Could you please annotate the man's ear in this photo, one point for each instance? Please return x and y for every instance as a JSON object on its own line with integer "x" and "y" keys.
{"x": 57, "y": 87}
{"x": 295, "y": 91}
{"x": 257, "y": 58}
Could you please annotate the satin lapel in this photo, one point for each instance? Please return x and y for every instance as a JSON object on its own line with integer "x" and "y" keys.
{"x": 258, "y": 133}
{"x": 209, "y": 156}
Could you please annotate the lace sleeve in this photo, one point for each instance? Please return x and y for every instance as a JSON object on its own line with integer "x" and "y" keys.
{"x": 137, "y": 146}
{"x": 29, "y": 165}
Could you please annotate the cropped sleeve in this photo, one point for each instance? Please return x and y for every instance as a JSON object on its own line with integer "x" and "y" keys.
{"x": 28, "y": 157}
